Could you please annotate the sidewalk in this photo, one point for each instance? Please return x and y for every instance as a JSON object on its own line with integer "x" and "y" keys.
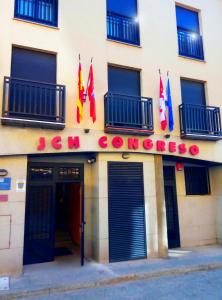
{"x": 64, "y": 275}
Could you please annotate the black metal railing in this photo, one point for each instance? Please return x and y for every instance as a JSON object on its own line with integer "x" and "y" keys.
{"x": 123, "y": 29}
{"x": 200, "y": 120}
{"x": 190, "y": 44}
{"x": 26, "y": 101}
{"x": 128, "y": 112}
{"x": 41, "y": 11}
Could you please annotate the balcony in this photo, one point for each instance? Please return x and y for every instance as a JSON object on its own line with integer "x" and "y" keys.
{"x": 190, "y": 44}
{"x": 33, "y": 104}
{"x": 122, "y": 29}
{"x": 39, "y": 11}
{"x": 128, "y": 114}
{"x": 200, "y": 122}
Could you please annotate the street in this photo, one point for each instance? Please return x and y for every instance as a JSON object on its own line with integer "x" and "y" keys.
{"x": 201, "y": 285}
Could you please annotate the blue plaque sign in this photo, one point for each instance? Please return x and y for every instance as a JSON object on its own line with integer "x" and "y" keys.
{"x": 5, "y": 184}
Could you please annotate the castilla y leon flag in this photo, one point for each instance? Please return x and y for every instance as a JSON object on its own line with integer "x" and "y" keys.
{"x": 81, "y": 91}
{"x": 163, "y": 119}
{"x": 91, "y": 94}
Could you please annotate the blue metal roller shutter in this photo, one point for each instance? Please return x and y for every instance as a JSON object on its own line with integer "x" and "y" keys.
{"x": 127, "y": 235}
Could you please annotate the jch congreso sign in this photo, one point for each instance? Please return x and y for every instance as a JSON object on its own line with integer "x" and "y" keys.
{"x": 118, "y": 142}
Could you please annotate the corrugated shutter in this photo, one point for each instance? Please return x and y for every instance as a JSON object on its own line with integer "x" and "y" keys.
{"x": 127, "y": 236}
{"x": 123, "y": 81}
{"x": 193, "y": 92}
{"x": 33, "y": 65}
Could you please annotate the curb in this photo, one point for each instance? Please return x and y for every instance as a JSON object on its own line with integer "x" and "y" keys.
{"x": 107, "y": 282}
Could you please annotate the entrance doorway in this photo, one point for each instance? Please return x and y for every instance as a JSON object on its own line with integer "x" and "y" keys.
{"x": 54, "y": 220}
{"x": 68, "y": 219}
{"x": 173, "y": 231}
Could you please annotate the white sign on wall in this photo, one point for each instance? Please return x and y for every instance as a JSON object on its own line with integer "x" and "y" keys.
{"x": 20, "y": 185}
{"x": 4, "y": 283}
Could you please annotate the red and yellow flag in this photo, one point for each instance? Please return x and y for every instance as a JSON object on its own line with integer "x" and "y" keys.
{"x": 81, "y": 90}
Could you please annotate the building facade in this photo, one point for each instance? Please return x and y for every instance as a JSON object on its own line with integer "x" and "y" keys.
{"x": 119, "y": 188}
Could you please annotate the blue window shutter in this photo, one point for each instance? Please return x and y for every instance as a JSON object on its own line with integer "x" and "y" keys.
{"x": 187, "y": 19}
{"x": 122, "y": 7}
{"x": 124, "y": 81}
{"x": 33, "y": 65}
{"x": 193, "y": 92}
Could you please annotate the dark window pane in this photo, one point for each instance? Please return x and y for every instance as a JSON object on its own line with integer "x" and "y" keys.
{"x": 123, "y": 7}
{"x": 69, "y": 173}
{"x": 33, "y": 65}
{"x": 197, "y": 180}
{"x": 41, "y": 173}
{"x": 193, "y": 92}
{"x": 124, "y": 81}
{"x": 187, "y": 19}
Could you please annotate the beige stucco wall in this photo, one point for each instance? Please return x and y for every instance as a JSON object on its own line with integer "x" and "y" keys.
{"x": 197, "y": 215}
{"x": 216, "y": 182}
{"x": 12, "y": 218}
{"x": 82, "y": 29}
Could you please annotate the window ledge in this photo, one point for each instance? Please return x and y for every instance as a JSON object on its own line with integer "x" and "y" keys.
{"x": 124, "y": 43}
{"x": 192, "y": 58}
{"x": 36, "y": 23}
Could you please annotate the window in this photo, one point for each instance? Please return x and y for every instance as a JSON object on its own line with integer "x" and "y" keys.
{"x": 193, "y": 92}
{"x": 198, "y": 120}
{"x": 197, "y": 180}
{"x": 124, "y": 81}
{"x": 122, "y": 23}
{"x": 41, "y": 11}
{"x": 126, "y": 111}
{"x": 189, "y": 39}
{"x": 33, "y": 98}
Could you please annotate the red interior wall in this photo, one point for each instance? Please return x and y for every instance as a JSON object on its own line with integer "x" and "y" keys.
{"x": 74, "y": 211}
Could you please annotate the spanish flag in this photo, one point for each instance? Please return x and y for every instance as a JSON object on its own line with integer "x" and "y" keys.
{"x": 81, "y": 91}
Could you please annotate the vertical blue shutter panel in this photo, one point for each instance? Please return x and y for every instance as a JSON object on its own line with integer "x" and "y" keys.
{"x": 33, "y": 65}
{"x": 127, "y": 235}
{"x": 123, "y": 81}
{"x": 193, "y": 92}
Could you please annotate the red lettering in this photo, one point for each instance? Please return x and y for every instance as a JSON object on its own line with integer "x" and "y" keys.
{"x": 194, "y": 150}
{"x": 148, "y": 144}
{"x": 42, "y": 144}
{"x": 117, "y": 142}
{"x": 133, "y": 143}
{"x": 56, "y": 142}
{"x": 172, "y": 147}
{"x": 182, "y": 148}
{"x": 161, "y": 146}
{"x": 103, "y": 142}
{"x": 73, "y": 142}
